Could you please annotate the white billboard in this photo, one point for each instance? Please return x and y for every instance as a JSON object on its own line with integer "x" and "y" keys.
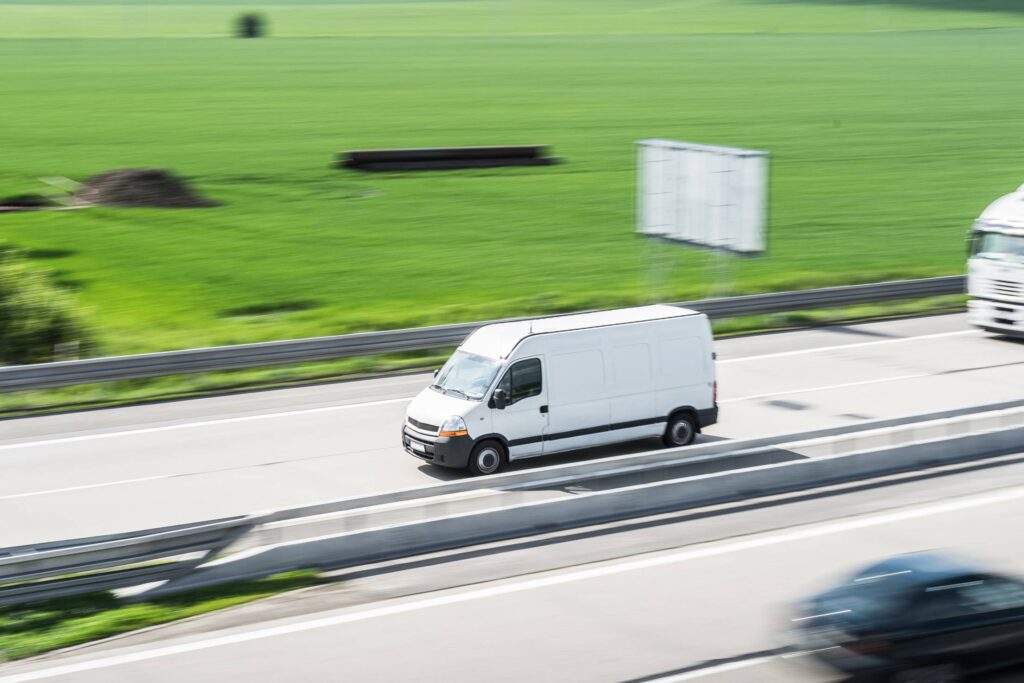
{"x": 703, "y": 195}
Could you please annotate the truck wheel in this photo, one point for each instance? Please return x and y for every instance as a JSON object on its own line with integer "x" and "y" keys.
{"x": 488, "y": 457}
{"x": 680, "y": 431}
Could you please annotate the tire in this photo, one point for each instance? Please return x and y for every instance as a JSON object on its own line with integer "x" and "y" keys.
{"x": 487, "y": 457}
{"x": 936, "y": 673}
{"x": 680, "y": 431}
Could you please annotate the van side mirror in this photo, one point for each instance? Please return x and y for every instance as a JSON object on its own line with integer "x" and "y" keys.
{"x": 436, "y": 370}
{"x": 499, "y": 399}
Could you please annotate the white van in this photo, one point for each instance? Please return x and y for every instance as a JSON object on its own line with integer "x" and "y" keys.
{"x": 533, "y": 387}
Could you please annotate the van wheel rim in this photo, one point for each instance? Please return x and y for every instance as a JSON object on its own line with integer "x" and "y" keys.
{"x": 681, "y": 432}
{"x": 487, "y": 460}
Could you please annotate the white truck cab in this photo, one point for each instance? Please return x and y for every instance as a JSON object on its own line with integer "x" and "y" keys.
{"x": 995, "y": 267}
{"x": 533, "y": 387}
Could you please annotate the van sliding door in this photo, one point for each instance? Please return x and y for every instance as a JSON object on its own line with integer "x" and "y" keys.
{"x": 576, "y": 392}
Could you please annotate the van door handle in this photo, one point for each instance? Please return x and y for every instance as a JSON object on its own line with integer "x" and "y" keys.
{"x": 543, "y": 409}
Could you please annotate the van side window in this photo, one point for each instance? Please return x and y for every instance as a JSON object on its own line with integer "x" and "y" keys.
{"x": 522, "y": 380}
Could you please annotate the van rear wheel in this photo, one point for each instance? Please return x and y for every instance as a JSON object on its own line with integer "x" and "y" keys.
{"x": 488, "y": 457}
{"x": 681, "y": 431}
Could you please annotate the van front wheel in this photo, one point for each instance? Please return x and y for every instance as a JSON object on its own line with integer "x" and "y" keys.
{"x": 680, "y": 431}
{"x": 487, "y": 457}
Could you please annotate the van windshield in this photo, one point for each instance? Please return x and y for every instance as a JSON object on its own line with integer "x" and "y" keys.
{"x": 997, "y": 245}
{"x": 466, "y": 375}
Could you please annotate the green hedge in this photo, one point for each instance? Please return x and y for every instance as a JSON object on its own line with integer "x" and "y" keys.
{"x": 36, "y": 316}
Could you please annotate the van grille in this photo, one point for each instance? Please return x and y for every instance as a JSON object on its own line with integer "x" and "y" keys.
{"x": 1006, "y": 289}
{"x": 424, "y": 426}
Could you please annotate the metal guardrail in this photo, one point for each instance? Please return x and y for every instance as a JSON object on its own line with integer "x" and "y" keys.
{"x": 67, "y": 373}
{"x": 86, "y": 565}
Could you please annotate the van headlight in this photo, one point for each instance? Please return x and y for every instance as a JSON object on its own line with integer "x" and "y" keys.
{"x": 454, "y": 426}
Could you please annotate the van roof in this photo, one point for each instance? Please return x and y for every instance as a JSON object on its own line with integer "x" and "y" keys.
{"x": 498, "y": 340}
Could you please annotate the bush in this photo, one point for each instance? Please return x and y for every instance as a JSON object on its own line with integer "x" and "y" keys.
{"x": 36, "y": 317}
{"x": 250, "y": 26}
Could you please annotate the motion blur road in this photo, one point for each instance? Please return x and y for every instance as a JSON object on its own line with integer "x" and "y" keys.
{"x": 108, "y": 471}
{"x": 680, "y": 597}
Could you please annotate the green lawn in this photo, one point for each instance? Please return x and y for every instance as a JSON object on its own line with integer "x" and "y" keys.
{"x": 33, "y": 628}
{"x": 891, "y": 125}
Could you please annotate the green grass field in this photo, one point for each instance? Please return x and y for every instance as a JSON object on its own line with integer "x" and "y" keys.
{"x": 30, "y": 629}
{"x": 892, "y": 124}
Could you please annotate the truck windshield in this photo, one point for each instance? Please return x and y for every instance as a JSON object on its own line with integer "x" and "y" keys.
{"x": 997, "y": 245}
{"x": 466, "y": 375}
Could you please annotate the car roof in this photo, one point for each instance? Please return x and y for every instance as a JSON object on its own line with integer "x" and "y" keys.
{"x": 918, "y": 569}
{"x": 499, "y": 339}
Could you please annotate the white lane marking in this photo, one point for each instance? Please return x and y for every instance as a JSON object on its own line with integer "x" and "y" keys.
{"x": 202, "y": 423}
{"x": 156, "y": 477}
{"x": 511, "y": 587}
{"x": 84, "y": 487}
{"x": 712, "y": 670}
{"x": 369, "y": 404}
{"x": 839, "y": 347}
{"x": 845, "y": 385}
{"x": 754, "y": 397}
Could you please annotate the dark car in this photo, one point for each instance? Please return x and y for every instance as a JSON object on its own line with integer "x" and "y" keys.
{"x": 915, "y": 618}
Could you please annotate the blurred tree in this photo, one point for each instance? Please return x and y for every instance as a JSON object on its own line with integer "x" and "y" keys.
{"x": 251, "y": 26}
{"x": 37, "y": 319}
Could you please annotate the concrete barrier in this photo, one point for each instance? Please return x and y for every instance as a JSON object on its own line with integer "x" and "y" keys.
{"x": 516, "y": 519}
{"x": 637, "y": 462}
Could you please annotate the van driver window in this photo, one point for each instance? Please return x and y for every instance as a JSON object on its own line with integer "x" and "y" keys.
{"x": 522, "y": 380}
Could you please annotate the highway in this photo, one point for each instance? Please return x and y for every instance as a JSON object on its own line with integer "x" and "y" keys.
{"x": 683, "y": 597}
{"x": 109, "y": 471}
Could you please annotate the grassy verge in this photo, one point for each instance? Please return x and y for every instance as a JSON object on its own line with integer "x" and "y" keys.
{"x": 31, "y": 629}
{"x": 113, "y": 394}
{"x": 851, "y": 314}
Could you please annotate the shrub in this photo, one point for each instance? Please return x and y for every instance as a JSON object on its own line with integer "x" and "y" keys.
{"x": 251, "y": 26}
{"x": 36, "y": 317}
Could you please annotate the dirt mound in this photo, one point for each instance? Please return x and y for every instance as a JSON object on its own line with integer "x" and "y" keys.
{"x": 140, "y": 187}
{"x": 26, "y": 202}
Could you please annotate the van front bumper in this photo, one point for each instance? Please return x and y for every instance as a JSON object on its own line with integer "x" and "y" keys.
{"x": 447, "y": 451}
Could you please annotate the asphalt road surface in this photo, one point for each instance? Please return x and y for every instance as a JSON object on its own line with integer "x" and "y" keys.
{"x": 711, "y": 605}
{"x": 108, "y": 471}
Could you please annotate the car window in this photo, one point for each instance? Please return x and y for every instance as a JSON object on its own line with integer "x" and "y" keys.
{"x": 940, "y": 602}
{"x": 993, "y": 594}
{"x": 984, "y": 594}
{"x": 522, "y": 380}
